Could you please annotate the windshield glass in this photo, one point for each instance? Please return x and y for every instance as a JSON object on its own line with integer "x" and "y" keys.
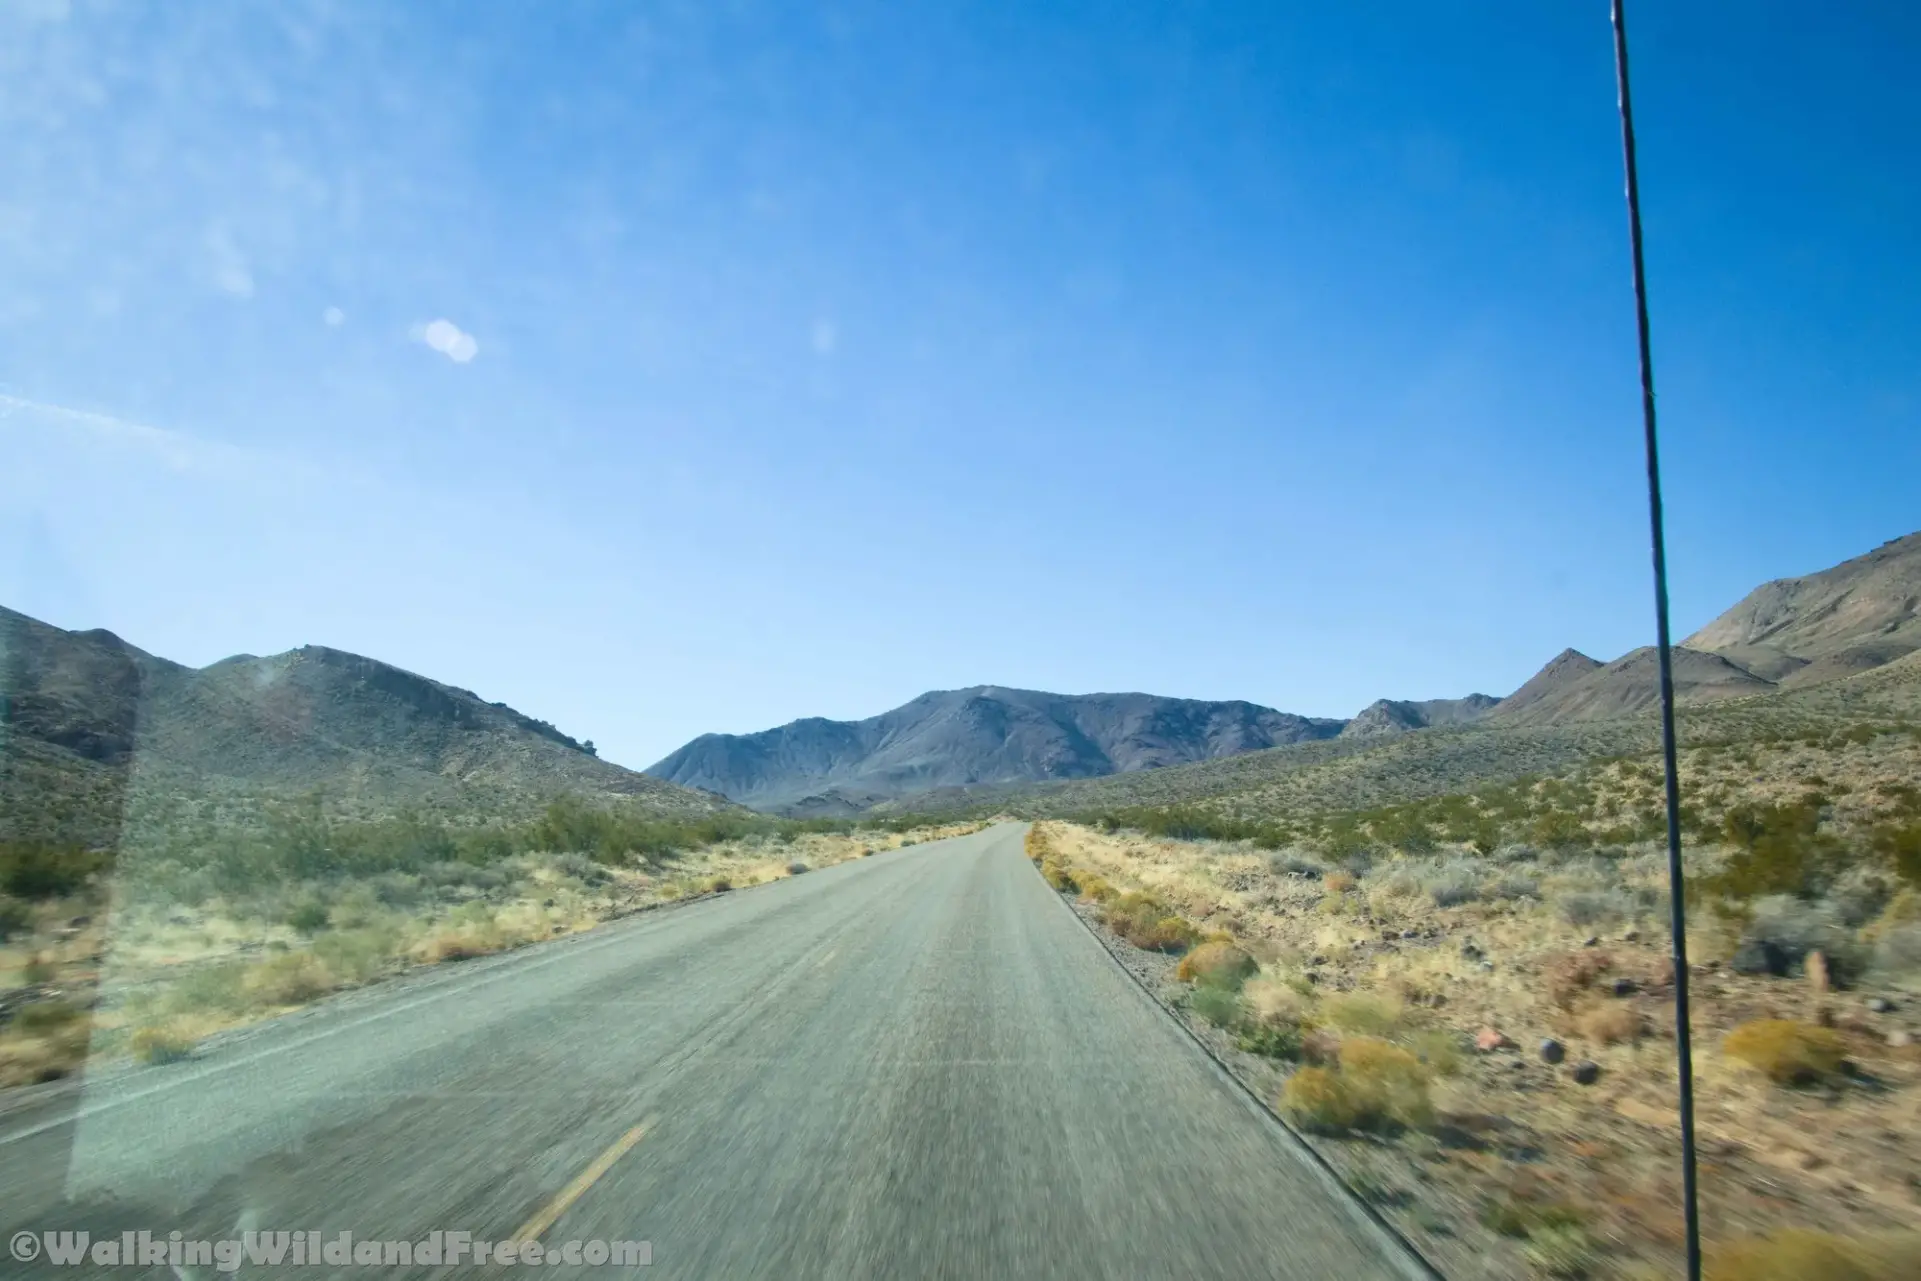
{"x": 1013, "y": 641}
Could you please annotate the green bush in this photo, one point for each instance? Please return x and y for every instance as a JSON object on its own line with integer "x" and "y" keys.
{"x": 1270, "y": 1041}
{"x": 30, "y": 870}
{"x": 1216, "y": 1005}
{"x": 42, "y": 1017}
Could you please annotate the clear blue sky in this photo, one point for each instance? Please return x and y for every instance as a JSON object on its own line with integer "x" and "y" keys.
{"x": 794, "y": 361}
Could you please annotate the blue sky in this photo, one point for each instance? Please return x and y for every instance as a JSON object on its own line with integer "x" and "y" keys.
{"x": 663, "y": 369}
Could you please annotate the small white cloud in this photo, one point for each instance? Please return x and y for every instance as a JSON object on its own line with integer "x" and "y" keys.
{"x": 227, "y": 263}
{"x": 447, "y": 338}
{"x": 333, "y": 317}
{"x": 826, "y": 337}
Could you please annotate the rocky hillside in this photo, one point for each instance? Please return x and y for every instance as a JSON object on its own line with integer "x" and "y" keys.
{"x": 1859, "y": 615}
{"x": 1629, "y": 684}
{"x": 86, "y": 713}
{"x": 1398, "y": 716}
{"x": 968, "y": 737}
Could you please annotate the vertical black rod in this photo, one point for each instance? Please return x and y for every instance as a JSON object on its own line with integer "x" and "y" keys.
{"x": 1677, "y": 903}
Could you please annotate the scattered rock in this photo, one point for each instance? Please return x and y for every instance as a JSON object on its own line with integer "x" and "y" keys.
{"x": 1900, "y": 1038}
{"x": 1586, "y": 1072}
{"x": 1880, "y": 1005}
{"x": 1488, "y": 1040}
{"x": 1624, "y": 987}
{"x": 1592, "y": 940}
{"x": 1632, "y": 936}
{"x": 1488, "y": 966}
{"x": 1552, "y": 1051}
{"x": 1817, "y": 969}
{"x": 1471, "y": 951}
{"x": 1410, "y": 934}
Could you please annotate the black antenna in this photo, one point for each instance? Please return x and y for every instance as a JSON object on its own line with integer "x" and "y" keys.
{"x": 1677, "y": 907}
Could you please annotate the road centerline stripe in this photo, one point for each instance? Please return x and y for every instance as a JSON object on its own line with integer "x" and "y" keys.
{"x": 551, "y": 1212}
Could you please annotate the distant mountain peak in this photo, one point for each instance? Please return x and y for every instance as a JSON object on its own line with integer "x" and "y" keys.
{"x": 983, "y": 734}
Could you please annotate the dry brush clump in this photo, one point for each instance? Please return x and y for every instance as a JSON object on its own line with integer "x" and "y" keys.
{"x": 1786, "y": 1051}
{"x": 1377, "y": 1086}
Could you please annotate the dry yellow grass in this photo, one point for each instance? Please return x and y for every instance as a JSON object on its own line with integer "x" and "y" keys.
{"x": 1531, "y": 973}
{"x": 1787, "y": 1052}
{"x": 1801, "y": 1255}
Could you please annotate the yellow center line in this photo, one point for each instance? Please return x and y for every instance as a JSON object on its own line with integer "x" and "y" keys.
{"x": 532, "y": 1229}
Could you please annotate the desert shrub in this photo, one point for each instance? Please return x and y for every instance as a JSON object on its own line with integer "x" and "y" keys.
{"x": 31, "y": 870}
{"x": 1216, "y": 964}
{"x": 1563, "y": 1250}
{"x": 1782, "y": 930}
{"x": 1438, "y": 1049}
{"x": 452, "y": 875}
{"x": 157, "y": 1045}
{"x": 1560, "y": 829}
{"x": 718, "y": 884}
{"x": 1799, "y": 1254}
{"x": 1387, "y": 1084}
{"x": 1453, "y": 885}
{"x": 1610, "y": 1023}
{"x": 292, "y": 978}
{"x": 580, "y": 867}
{"x": 1059, "y": 876}
{"x": 1217, "y": 1005}
{"x": 43, "y": 1017}
{"x": 212, "y": 988}
{"x": 1339, "y": 882}
{"x": 1317, "y": 1098}
{"x": 1901, "y": 846}
{"x": 1169, "y": 934}
{"x": 1361, "y": 1013}
{"x": 15, "y": 918}
{"x": 1898, "y": 950}
{"x": 1146, "y": 922}
{"x": 357, "y": 956}
{"x": 796, "y": 868}
{"x": 1510, "y": 888}
{"x": 308, "y": 916}
{"x": 395, "y": 889}
{"x": 1036, "y": 843}
{"x": 1273, "y": 1003}
{"x": 1516, "y": 1215}
{"x": 1584, "y": 908}
{"x": 1093, "y": 888}
{"x": 1293, "y": 863}
{"x": 1788, "y": 1052}
{"x": 1269, "y": 1040}
{"x": 1777, "y": 849}
{"x": 1570, "y": 974}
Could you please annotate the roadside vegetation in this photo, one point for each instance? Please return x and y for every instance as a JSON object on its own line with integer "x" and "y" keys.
{"x": 1465, "y": 999}
{"x": 210, "y": 925}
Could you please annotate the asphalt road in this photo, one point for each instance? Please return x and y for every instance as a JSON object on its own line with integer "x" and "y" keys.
{"x": 912, "y": 1065}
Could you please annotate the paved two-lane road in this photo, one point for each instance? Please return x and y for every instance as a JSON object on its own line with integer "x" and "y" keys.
{"x": 913, "y": 1065}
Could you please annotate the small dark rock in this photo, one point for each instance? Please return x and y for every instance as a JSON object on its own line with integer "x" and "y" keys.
{"x": 1593, "y": 940}
{"x": 1624, "y": 987}
{"x": 1552, "y": 1051}
{"x": 1470, "y": 951}
{"x": 1880, "y": 1004}
{"x": 1410, "y": 934}
{"x": 1586, "y": 1072}
{"x": 1632, "y": 936}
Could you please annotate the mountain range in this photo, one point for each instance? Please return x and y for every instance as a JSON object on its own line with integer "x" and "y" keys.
{"x": 1787, "y": 633}
{"x": 85, "y": 713}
